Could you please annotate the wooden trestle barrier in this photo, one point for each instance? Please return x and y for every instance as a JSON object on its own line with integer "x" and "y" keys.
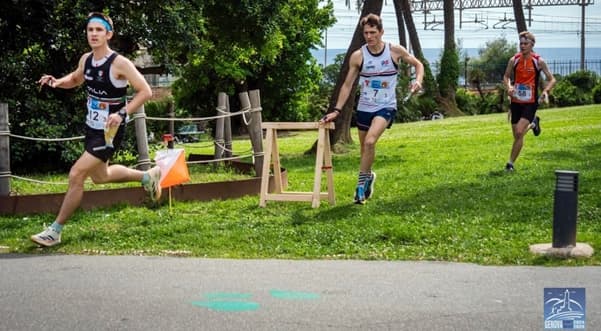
{"x": 323, "y": 162}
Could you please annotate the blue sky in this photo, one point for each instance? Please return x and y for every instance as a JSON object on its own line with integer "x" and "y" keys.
{"x": 553, "y": 26}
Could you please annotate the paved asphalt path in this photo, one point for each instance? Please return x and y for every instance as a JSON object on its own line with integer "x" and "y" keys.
{"x": 58, "y": 292}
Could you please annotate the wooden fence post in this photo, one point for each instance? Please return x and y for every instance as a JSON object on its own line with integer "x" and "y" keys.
{"x": 227, "y": 131}
{"x": 4, "y": 151}
{"x": 254, "y": 129}
{"x": 141, "y": 139}
{"x": 219, "y": 125}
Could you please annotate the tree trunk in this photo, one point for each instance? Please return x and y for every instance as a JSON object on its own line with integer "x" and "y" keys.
{"x": 400, "y": 22}
{"x": 450, "y": 47}
{"x": 342, "y": 133}
{"x": 449, "y": 64}
{"x": 430, "y": 85}
{"x": 518, "y": 13}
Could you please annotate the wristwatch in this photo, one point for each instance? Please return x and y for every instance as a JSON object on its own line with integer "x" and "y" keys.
{"x": 123, "y": 112}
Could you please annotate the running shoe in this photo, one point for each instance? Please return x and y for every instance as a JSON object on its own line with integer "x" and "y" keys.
{"x": 369, "y": 185}
{"x": 153, "y": 186}
{"x": 509, "y": 167}
{"x": 536, "y": 126}
{"x": 360, "y": 195}
{"x": 47, "y": 238}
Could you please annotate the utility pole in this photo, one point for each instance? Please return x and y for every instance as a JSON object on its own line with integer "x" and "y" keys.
{"x": 582, "y": 46}
{"x": 325, "y": 51}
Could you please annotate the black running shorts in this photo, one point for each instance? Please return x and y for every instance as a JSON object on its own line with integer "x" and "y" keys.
{"x": 523, "y": 110}
{"x": 95, "y": 140}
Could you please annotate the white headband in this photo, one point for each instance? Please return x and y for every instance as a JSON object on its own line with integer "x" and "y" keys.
{"x": 527, "y": 39}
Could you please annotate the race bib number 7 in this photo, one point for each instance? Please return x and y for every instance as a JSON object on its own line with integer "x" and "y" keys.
{"x": 376, "y": 91}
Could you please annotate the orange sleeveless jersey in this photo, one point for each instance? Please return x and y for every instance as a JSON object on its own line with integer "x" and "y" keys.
{"x": 526, "y": 74}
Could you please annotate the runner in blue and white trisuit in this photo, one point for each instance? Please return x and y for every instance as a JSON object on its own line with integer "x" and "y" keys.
{"x": 376, "y": 64}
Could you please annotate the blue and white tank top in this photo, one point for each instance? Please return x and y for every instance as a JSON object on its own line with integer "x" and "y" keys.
{"x": 378, "y": 79}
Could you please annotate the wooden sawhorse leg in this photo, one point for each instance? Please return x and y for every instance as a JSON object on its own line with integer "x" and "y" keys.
{"x": 323, "y": 162}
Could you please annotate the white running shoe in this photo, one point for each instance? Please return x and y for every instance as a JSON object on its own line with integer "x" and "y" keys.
{"x": 153, "y": 187}
{"x": 47, "y": 238}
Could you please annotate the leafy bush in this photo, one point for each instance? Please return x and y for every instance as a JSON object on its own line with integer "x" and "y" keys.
{"x": 563, "y": 93}
{"x": 583, "y": 79}
{"x": 575, "y": 89}
{"x": 597, "y": 93}
{"x": 425, "y": 106}
{"x": 474, "y": 104}
{"x": 408, "y": 112}
{"x": 490, "y": 104}
{"x": 158, "y": 108}
{"x": 466, "y": 101}
{"x": 125, "y": 157}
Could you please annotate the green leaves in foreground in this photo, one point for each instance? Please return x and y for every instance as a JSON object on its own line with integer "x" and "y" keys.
{"x": 441, "y": 194}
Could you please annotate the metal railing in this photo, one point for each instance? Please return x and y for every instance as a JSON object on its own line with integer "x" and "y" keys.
{"x": 557, "y": 67}
{"x": 567, "y": 67}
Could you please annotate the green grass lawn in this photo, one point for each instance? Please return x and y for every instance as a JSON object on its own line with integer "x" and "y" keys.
{"x": 441, "y": 194}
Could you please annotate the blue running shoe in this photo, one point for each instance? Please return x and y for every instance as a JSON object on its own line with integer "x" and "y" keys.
{"x": 360, "y": 195}
{"x": 369, "y": 185}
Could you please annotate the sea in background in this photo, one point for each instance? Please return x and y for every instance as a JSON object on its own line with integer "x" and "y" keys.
{"x": 562, "y": 58}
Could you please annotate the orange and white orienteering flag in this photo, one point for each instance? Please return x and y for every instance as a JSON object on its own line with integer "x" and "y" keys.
{"x": 174, "y": 170}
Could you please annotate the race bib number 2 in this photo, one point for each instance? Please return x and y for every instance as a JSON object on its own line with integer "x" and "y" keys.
{"x": 98, "y": 113}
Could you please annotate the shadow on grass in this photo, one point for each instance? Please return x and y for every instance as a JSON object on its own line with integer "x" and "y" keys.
{"x": 505, "y": 197}
{"x": 585, "y": 153}
{"x": 339, "y": 212}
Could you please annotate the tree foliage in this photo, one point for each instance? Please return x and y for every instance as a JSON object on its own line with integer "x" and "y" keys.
{"x": 257, "y": 45}
{"x": 430, "y": 85}
{"x": 449, "y": 63}
{"x": 213, "y": 45}
{"x": 489, "y": 67}
{"x": 449, "y": 72}
{"x": 49, "y": 37}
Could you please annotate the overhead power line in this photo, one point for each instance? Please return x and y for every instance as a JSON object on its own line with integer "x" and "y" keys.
{"x": 426, "y": 6}
{"x": 432, "y": 5}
